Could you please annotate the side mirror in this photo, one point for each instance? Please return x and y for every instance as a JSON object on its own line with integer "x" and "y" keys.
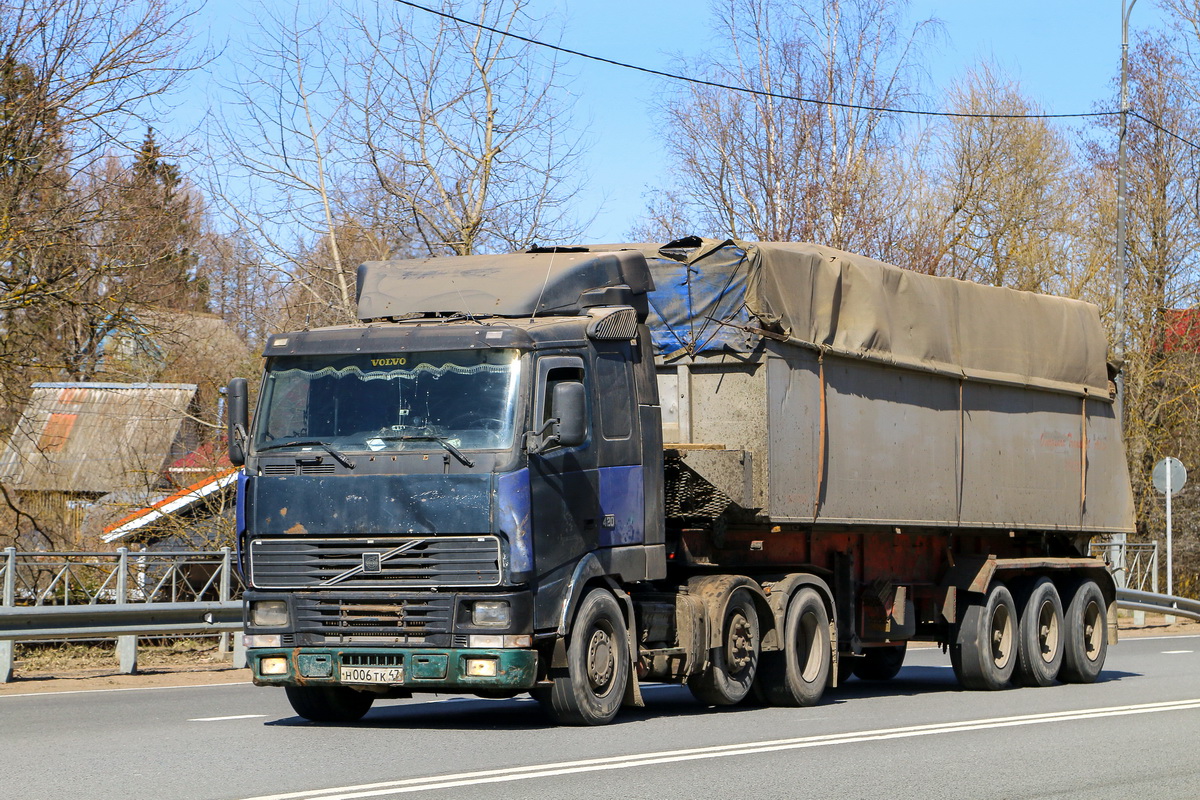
{"x": 239, "y": 420}
{"x": 569, "y": 405}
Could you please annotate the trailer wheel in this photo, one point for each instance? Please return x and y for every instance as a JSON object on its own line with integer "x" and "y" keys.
{"x": 1040, "y": 650}
{"x": 984, "y": 654}
{"x": 880, "y": 663}
{"x": 798, "y": 674}
{"x": 1086, "y": 643}
{"x": 329, "y": 703}
{"x": 591, "y": 691}
{"x": 730, "y": 675}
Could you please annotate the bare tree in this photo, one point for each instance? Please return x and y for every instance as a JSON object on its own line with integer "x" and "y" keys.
{"x": 1162, "y": 366}
{"x": 758, "y": 166}
{"x": 281, "y": 171}
{"x": 999, "y": 209}
{"x": 464, "y": 130}
{"x": 79, "y": 81}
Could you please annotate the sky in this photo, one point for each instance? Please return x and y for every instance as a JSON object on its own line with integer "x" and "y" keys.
{"x": 1064, "y": 53}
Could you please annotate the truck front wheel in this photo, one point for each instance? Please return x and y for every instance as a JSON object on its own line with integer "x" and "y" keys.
{"x": 591, "y": 691}
{"x": 730, "y": 674}
{"x": 329, "y": 703}
{"x": 798, "y": 674}
{"x": 984, "y": 654}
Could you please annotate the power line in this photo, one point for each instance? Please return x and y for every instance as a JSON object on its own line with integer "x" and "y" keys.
{"x": 744, "y": 89}
{"x": 1170, "y": 133}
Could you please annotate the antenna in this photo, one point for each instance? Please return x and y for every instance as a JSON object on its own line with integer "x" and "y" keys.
{"x": 545, "y": 283}
{"x": 466, "y": 310}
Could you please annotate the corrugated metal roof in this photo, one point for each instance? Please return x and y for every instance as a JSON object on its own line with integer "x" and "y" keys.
{"x": 95, "y": 437}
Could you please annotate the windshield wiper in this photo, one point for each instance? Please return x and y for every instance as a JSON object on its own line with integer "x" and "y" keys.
{"x": 337, "y": 454}
{"x": 427, "y": 437}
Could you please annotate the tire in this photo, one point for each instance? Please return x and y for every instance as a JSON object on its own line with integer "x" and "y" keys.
{"x": 984, "y": 655}
{"x": 1040, "y": 649}
{"x": 593, "y": 686}
{"x": 329, "y": 703}
{"x": 799, "y": 674}
{"x": 880, "y": 663}
{"x": 1085, "y": 640}
{"x": 730, "y": 675}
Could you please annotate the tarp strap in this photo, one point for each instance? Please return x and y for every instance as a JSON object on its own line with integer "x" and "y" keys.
{"x": 962, "y": 431}
{"x": 1083, "y": 448}
{"x": 820, "y": 438}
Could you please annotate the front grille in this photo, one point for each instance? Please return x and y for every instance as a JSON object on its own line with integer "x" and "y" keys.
{"x": 404, "y": 619}
{"x": 381, "y": 562}
{"x": 300, "y": 467}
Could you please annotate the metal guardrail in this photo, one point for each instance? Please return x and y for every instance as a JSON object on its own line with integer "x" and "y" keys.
{"x": 122, "y": 594}
{"x": 1158, "y": 603}
{"x": 1134, "y": 564}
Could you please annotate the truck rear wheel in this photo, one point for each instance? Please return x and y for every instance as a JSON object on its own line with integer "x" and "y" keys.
{"x": 798, "y": 674}
{"x": 329, "y": 703}
{"x": 591, "y": 691}
{"x": 880, "y": 663}
{"x": 984, "y": 654}
{"x": 1086, "y": 641}
{"x": 730, "y": 675}
{"x": 1040, "y": 650}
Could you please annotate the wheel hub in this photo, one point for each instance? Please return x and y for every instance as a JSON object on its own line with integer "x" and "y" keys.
{"x": 739, "y": 650}
{"x": 600, "y": 659}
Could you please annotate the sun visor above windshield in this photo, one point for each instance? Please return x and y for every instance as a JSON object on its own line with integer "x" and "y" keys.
{"x": 512, "y": 285}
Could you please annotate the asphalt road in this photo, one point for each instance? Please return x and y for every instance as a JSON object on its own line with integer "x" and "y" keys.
{"x": 1134, "y": 735}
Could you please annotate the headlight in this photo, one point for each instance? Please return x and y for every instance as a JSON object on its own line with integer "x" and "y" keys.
{"x": 268, "y": 613}
{"x": 492, "y": 613}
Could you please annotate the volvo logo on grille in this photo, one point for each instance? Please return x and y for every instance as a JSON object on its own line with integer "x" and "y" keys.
{"x": 372, "y": 563}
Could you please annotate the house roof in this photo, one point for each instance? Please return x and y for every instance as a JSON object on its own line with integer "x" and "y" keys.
{"x": 170, "y": 504}
{"x": 95, "y": 437}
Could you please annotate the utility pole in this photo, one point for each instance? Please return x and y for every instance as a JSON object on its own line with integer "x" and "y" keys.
{"x": 1122, "y": 214}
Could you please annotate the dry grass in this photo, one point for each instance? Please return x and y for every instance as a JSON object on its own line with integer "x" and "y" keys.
{"x": 77, "y": 659}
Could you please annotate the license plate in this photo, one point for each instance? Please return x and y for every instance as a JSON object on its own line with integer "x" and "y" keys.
{"x": 372, "y": 675}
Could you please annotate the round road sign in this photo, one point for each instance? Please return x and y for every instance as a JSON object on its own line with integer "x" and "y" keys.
{"x": 1177, "y": 472}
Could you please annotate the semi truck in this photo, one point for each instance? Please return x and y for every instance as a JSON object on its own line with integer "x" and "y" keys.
{"x": 752, "y": 468}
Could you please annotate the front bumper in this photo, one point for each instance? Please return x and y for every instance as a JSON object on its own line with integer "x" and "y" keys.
{"x": 415, "y": 669}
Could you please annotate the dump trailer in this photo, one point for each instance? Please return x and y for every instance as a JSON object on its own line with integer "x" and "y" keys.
{"x": 752, "y": 468}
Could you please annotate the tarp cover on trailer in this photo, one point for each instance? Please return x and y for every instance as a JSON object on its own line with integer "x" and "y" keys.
{"x": 708, "y": 293}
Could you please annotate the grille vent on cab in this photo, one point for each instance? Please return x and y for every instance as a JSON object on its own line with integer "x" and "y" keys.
{"x": 612, "y": 323}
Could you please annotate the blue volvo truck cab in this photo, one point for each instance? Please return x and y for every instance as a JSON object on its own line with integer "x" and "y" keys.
{"x": 424, "y": 495}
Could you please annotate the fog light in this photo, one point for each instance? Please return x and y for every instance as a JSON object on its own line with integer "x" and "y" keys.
{"x": 492, "y": 613}
{"x": 271, "y": 640}
{"x": 273, "y": 666}
{"x": 268, "y": 613}
{"x": 481, "y": 667}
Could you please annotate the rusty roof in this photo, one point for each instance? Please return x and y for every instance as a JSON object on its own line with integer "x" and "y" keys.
{"x": 95, "y": 437}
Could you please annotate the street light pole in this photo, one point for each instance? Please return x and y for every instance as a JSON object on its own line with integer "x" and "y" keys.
{"x": 1122, "y": 213}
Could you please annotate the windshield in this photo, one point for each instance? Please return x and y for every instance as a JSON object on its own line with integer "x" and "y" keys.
{"x": 391, "y": 401}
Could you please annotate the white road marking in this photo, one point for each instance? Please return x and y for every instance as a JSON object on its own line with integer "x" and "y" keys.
{"x": 222, "y": 719}
{"x": 410, "y": 785}
{"x": 1176, "y": 652}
